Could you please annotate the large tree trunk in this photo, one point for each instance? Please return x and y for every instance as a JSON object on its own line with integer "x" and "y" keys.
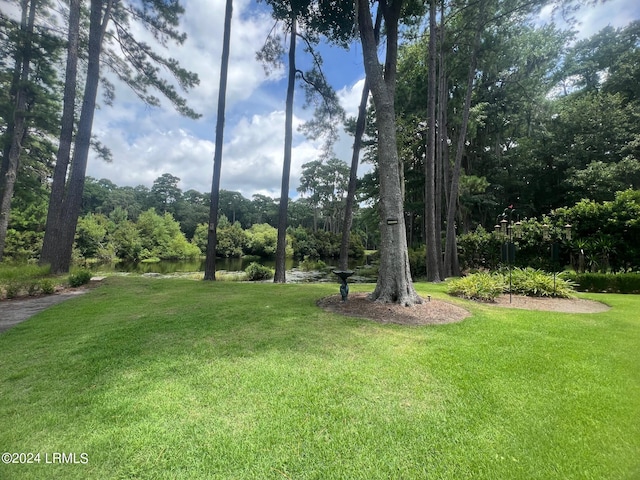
{"x": 451, "y": 264}
{"x": 212, "y": 240}
{"x": 60, "y": 248}
{"x": 9, "y": 169}
{"x": 432, "y": 229}
{"x": 54, "y": 221}
{"x": 280, "y": 276}
{"x": 394, "y": 278}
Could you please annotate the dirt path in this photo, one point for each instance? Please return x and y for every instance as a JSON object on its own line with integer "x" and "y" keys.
{"x": 13, "y": 312}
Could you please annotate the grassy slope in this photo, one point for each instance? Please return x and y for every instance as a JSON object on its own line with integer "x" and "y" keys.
{"x": 181, "y": 379}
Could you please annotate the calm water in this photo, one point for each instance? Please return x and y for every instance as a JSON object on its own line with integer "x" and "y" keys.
{"x": 197, "y": 265}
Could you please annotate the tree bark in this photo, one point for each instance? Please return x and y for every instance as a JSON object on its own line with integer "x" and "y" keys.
{"x": 60, "y": 248}
{"x": 53, "y": 225}
{"x": 353, "y": 177}
{"x": 394, "y": 279}
{"x": 212, "y": 241}
{"x": 451, "y": 264}
{"x": 280, "y": 276}
{"x": 431, "y": 228}
{"x": 9, "y": 169}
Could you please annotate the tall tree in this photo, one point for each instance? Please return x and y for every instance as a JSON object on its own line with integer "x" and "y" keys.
{"x": 280, "y": 275}
{"x": 212, "y": 238}
{"x": 136, "y": 65}
{"x": 394, "y": 280}
{"x": 305, "y": 21}
{"x": 63, "y": 155}
{"x": 432, "y": 230}
{"x": 361, "y": 123}
{"x": 451, "y": 265}
{"x": 18, "y": 124}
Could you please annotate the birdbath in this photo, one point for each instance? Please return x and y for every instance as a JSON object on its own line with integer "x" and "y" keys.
{"x": 344, "y": 287}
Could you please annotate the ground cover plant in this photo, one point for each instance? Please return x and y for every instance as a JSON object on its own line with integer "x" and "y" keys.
{"x": 486, "y": 286}
{"x": 182, "y": 379}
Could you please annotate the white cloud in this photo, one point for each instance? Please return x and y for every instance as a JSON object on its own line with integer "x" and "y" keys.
{"x": 149, "y": 142}
{"x": 593, "y": 18}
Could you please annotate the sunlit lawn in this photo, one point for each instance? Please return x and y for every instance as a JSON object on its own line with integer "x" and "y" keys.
{"x": 180, "y": 379}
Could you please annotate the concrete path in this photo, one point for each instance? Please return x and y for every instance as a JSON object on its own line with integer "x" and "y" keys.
{"x": 13, "y": 312}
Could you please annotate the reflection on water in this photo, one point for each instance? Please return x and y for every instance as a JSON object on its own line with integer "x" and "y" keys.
{"x": 197, "y": 265}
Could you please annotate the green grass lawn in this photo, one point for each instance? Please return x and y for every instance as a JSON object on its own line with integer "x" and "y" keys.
{"x": 179, "y": 379}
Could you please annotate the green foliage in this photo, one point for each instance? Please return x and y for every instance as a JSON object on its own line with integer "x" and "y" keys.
{"x": 322, "y": 244}
{"x": 79, "y": 278}
{"x": 478, "y": 286}
{"x": 13, "y": 288}
{"x": 256, "y": 272}
{"x": 536, "y": 283}
{"x": 47, "y": 286}
{"x": 126, "y": 241}
{"x": 160, "y": 236}
{"x": 262, "y": 240}
{"x": 232, "y": 240}
{"x": 479, "y": 250}
{"x": 606, "y": 233}
{"x": 605, "y": 282}
{"x": 309, "y": 265}
{"x": 531, "y": 282}
{"x": 418, "y": 262}
{"x": 91, "y": 234}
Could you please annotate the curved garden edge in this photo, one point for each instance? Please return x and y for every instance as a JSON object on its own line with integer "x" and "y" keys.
{"x": 550, "y": 304}
{"x": 438, "y": 312}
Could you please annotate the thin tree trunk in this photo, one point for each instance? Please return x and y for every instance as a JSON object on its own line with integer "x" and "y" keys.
{"x": 280, "y": 276}
{"x": 432, "y": 254}
{"x": 54, "y": 213}
{"x": 451, "y": 263}
{"x": 212, "y": 241}
{"x": 441, "y": 136}
{"x": 9, "y": 170}
{"x": 394, "y": 278}
{"x": 353, "y": 177}
{"x": 361, "y": 123}
{"x": 62, "y": 247}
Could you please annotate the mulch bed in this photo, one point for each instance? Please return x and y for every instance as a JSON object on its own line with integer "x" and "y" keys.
{"x": 434, "y": 312}
{"x": 438, "y": 312}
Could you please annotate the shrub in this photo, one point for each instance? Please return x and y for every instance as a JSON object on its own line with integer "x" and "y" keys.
{"x": 32, "y": 288}
{"x": 418, "y": 262}
{"x": 478, "y": 286}
{"x": 79, "y": 278}
{"x": 309, "y": 265}
{"x": 255, "y": 272}
{"x": 262, "y": 240}
{"x": 537, "y": 283}
{"x": 47, "y": 286}
{"x": 606, "y": 282}
{"x": 12, "y": 288}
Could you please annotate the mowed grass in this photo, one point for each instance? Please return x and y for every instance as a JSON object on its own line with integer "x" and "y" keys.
{"x": 180, "y": 379}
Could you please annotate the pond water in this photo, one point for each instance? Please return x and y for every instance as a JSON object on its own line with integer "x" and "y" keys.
{"x": 197, "y": 265}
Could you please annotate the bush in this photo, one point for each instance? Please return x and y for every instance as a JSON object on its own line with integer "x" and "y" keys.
{"x": 478, "y": 286}
{"x": 418, "y": 262}
{"x": 47, "y": 286}
{"x": 537, "y": 283}
{"x": 80, "y": 278}
{"x": 606, "y": 282}
{"x": 13, "y": 288}
{"x": 309, "y": 265}
{"x": 256, "y": 272}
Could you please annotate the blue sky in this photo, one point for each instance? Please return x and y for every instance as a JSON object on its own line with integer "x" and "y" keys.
{"x": 147, "y": 142}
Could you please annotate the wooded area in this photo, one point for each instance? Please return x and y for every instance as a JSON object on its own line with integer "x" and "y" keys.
{"x": 476, "y": 108}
